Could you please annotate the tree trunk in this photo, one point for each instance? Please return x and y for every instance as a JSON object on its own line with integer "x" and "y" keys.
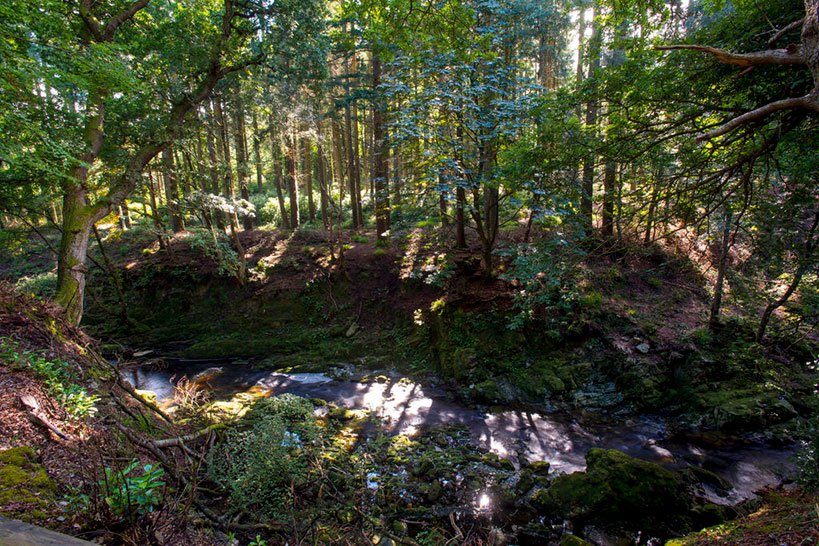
{"x": 160, "y": 229}
{"x": 242, "y": 171}
{"x": 380, "y": 167}
{"x": 338, "y": 162}
{"x": 291, "y": 162}
{"x": 275, "y": 150}
{"x": 609, "y": 183}
{"x": 725, "y": 247}
{"x": 172, "y": 191}
{"x": 71, "y": 266}
{"x": 213, "y": 171}
{"x": 308, "y": 178}
{"x": 355, "y": 198}
{"x": 225, "y": 147}
{"x": 810, "y": 244}
{"x": 257, "y": 154}
{"x": 460, "y": 231}
{"x": 322, "y": 178}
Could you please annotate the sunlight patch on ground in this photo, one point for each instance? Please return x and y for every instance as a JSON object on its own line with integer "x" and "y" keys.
{"x": 411, "y": 254}
{"x": 272, "y": 260}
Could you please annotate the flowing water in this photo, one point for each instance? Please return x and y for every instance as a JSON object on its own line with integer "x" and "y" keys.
{"x": 406, "y": 407}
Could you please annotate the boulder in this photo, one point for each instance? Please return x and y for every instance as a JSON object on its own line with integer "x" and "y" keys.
{"x": 620, "y": 491}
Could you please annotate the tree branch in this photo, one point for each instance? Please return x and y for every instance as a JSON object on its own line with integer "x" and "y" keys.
{"x": 112, "y": 25}
{"x": 791, "y": 55}
{"x": 808, "y": 102}
{"x": 91, "y": 22}
{"x": 792, "y": 26}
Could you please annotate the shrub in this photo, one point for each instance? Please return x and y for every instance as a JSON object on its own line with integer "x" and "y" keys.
{"x": 129, "y": 493}
{"x": 260, "y": 462}
{"x": 218, "y": 250}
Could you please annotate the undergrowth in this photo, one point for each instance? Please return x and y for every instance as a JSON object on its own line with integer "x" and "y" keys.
{"x": 57, "y": 375}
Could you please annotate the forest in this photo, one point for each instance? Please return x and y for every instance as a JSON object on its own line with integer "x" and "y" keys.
{"x": 416, "y": 272}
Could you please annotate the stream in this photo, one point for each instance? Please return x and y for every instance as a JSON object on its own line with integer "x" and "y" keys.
{"x": 405, "y": 407}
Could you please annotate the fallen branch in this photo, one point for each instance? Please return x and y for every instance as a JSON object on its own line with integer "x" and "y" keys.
{"x": 180, "y": 440}
{"x": 34, "y": 415}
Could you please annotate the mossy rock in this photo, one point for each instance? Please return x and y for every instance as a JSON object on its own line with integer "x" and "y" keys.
{"x": 740, "y": 410}
{"x": 573, "y": 540}
{"x": 525, "y": 483}
{"x": 620, "y": 491}
{"x": 26, "y": 491}
{"x": 710, "y": 514}
{"x": 539, "y": 468}
{"x": 148, "y": 396}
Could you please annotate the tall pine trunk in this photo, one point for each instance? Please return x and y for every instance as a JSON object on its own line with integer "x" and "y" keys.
{"x": 380, "y": 167}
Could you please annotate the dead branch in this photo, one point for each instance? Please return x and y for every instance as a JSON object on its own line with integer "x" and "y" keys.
{"x": 787, "y": 28}
{"x": 35, "y": 416}
{"x": 180, "y": 440}
{"x": 791, "y": 55}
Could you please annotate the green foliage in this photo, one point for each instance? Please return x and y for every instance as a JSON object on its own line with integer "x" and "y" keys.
{"x": 130, "y": 493}
{"x": 216, "y": 247}
{"x": 807, "y": 458}
{"x": 262, "y": 460}
{"x": 59, "y": 377}
{"x": 548, "y": 274}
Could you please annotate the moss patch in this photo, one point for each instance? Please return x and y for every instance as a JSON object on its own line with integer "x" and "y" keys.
{"x": 26, "y": 491}
{"x": 783, "y": 518}
{"x": 620, "y": 491}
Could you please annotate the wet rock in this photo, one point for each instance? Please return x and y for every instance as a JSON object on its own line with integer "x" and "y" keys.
{"x": 525, "y": 483}
{"x": 711, "y": 514}
{"x": 601, "y": 395}
{"x": 618, "y": 490}
{"x": 493, "y": 460}
{"x": 696, "y": 474}
{"x": 342, "y": 372}
{"x": 204, "y": 377}
{"x": 573, "y": 540}
{"x": 539, "y": 468}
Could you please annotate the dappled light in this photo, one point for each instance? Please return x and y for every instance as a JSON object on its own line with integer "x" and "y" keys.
{"x": 428, "y": 273}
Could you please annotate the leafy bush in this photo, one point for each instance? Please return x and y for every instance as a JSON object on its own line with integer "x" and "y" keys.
{"x": 260, "y": 462}
{"x": 548, "y": 274}
{"x": 129, "y": 493}
{"x": 218, "y": 250}
{"x": 57, "y": 375}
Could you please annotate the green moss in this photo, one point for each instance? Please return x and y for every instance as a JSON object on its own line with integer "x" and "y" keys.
{"x": 573, "y": 540}
{"x": 26, "y": 491}
{"x": 619, "y": 490}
